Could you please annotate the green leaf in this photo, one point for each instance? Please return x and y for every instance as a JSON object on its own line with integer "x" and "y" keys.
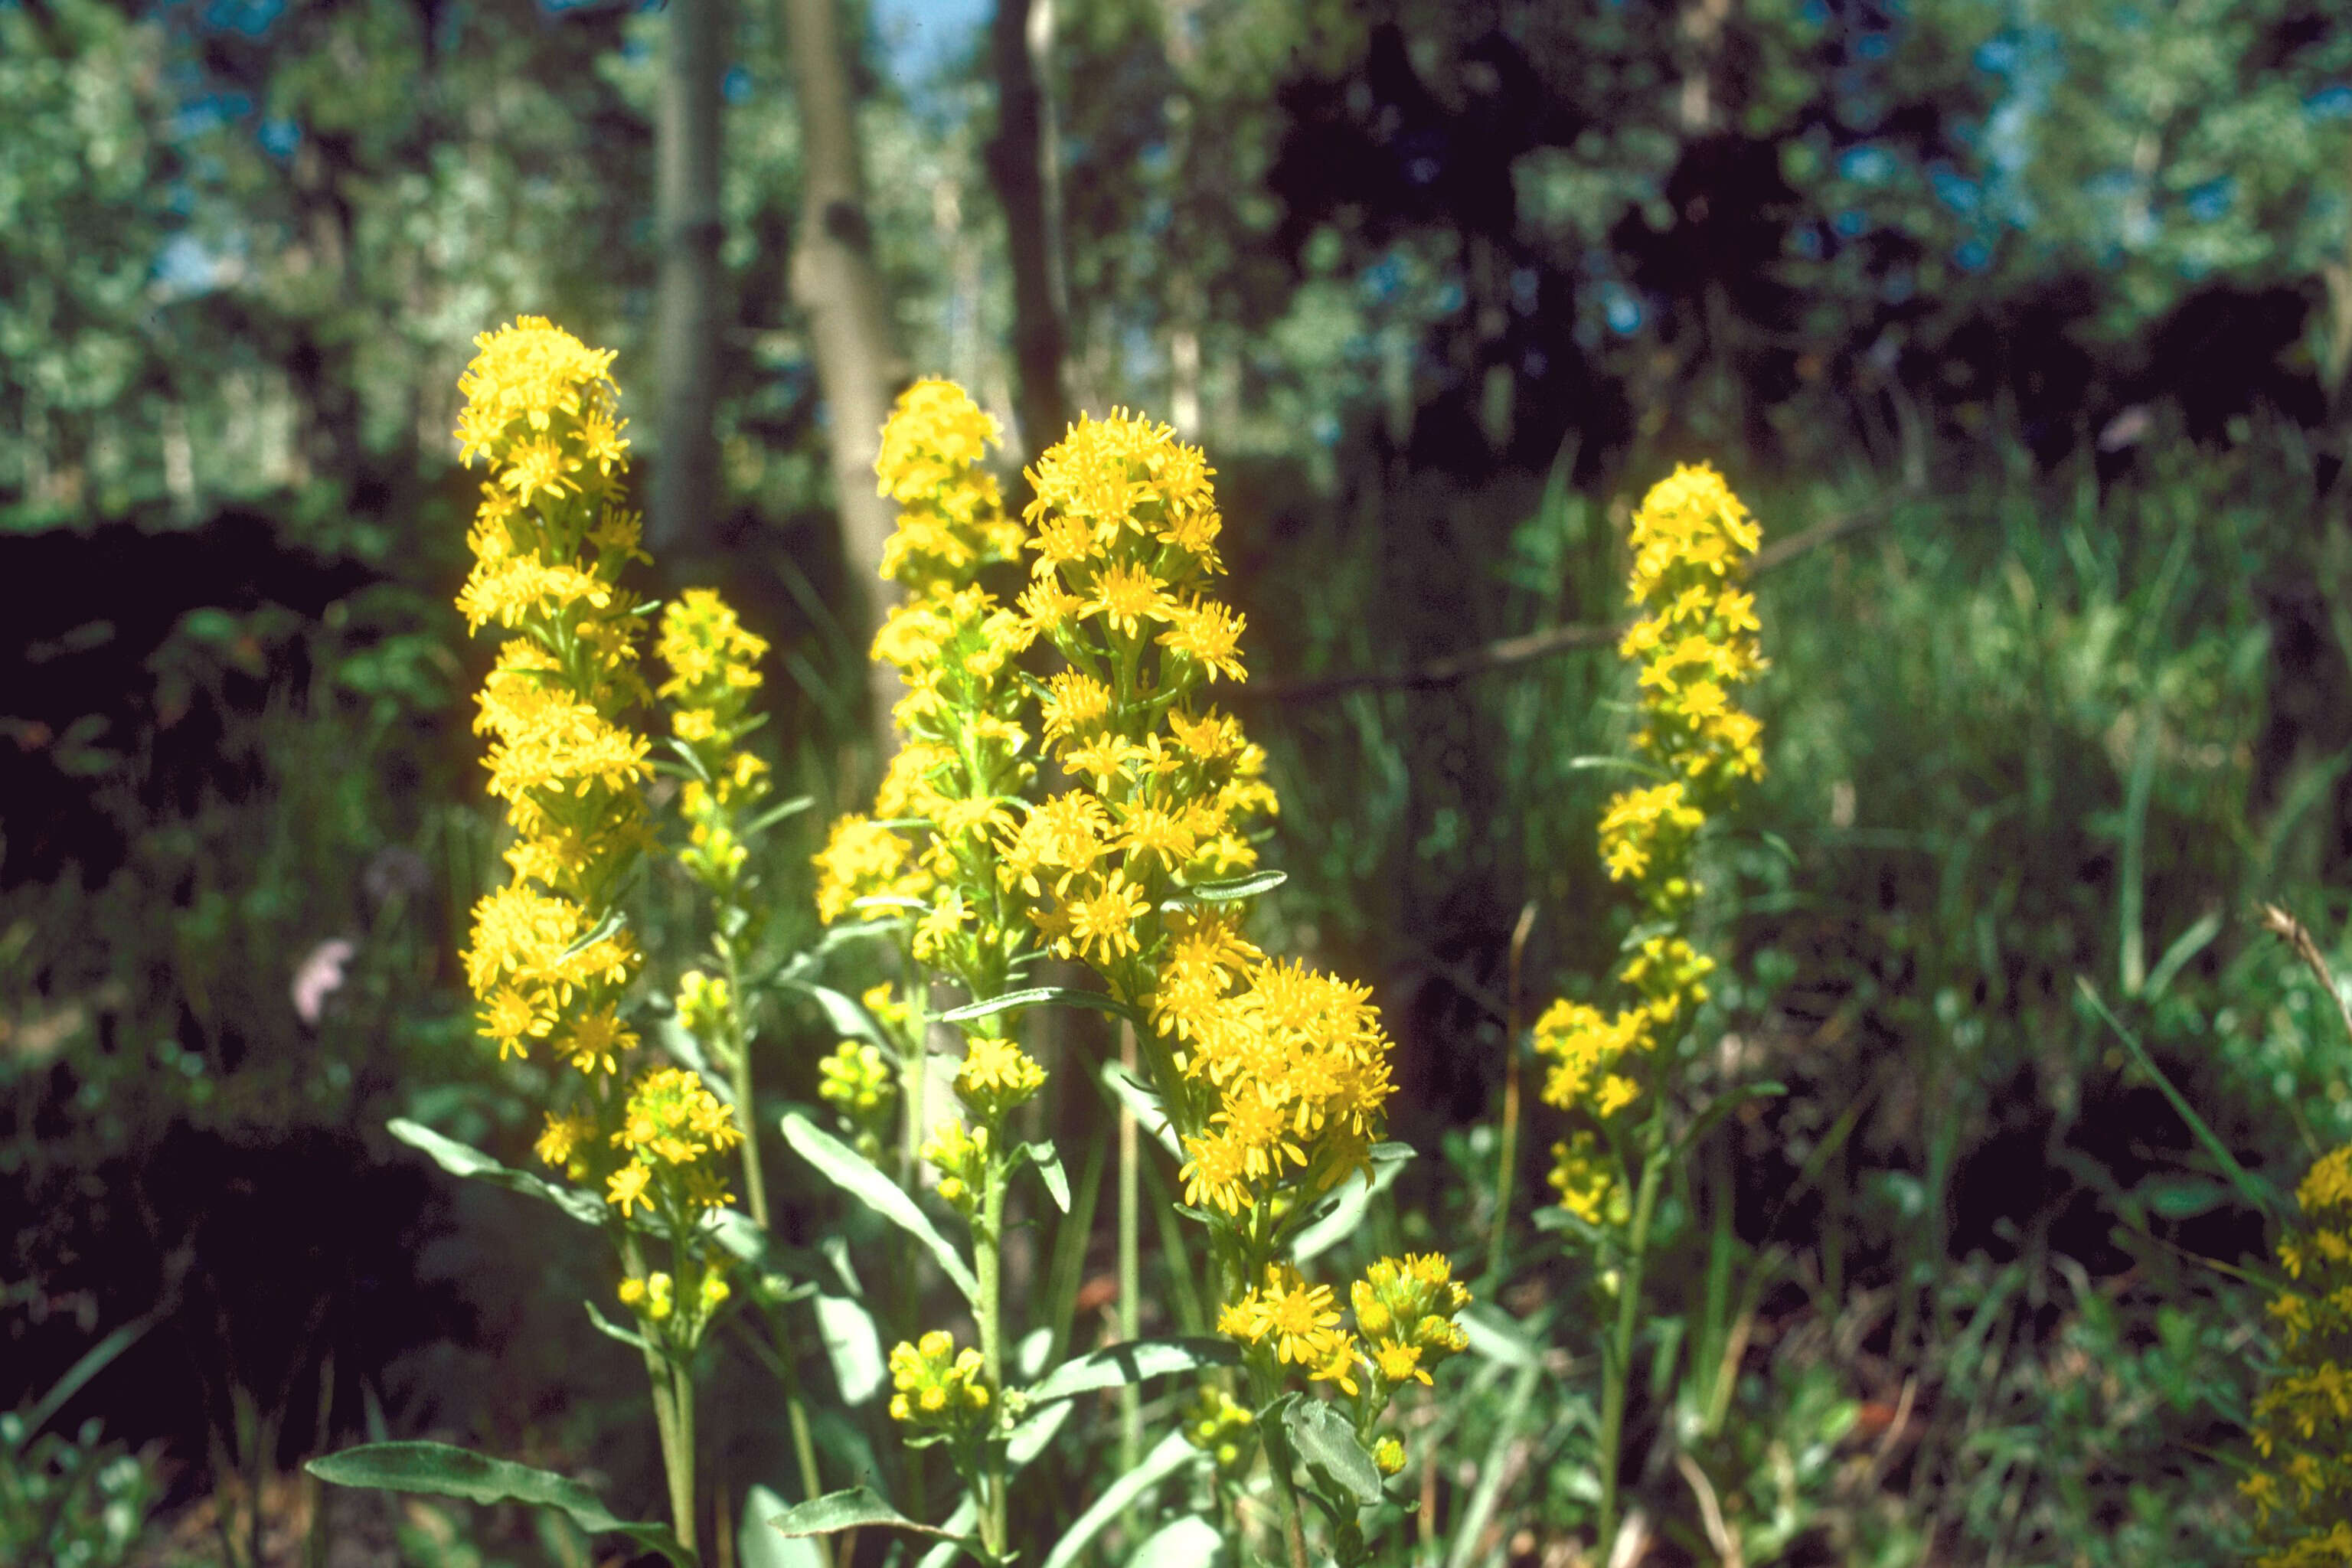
{"x": 689, "y": 756}
{"x": 852, "y": 1346}
{"x": 849, "y": 1171}
{"x": 441, "y": 1470}
{"x": 463, "y": 1160}
{"x": 1048, "y": 1161}
{"x": 856, "y": 1509}
{"x": 1132, "y": 1362}
{"x": 1029, "y": 1438}
{"x": 612, "y": 1330}
{"x": 1497, "y": 1338}
{"x": 1185, "y": 1542}
{"x": 1721, "y": 1106}
{"x": 1225, "y": 890}
{"x": 91, "y": 1362}
{"x": 1038, "y": 995}
{"x": 1131, "y": 1092}
{"x": 2258, "y": 1194}
{"x": 2183, "y": 1197}
{"x": 966, "y": 1516}
{"x": 1170, "y": 1455}
{"x": 614, "y": 922}
{"x": 775, "y": 814}
{"x": 1338, "y": 1221}
{"x": 761, "y": 1548}
{"x": 1327, "y": 1445}
{"x": 847, "y": 1015}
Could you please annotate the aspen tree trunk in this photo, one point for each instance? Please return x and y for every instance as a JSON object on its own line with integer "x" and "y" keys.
{"x": 837, "y": 282}
{"x": 1183, "y": 299}
{"x": 1024, "y": 165}
{"x": 682, "y": 524}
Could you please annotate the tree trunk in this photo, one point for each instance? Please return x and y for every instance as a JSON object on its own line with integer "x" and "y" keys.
{"x": 682, "y": 522}
{"x": 837, "y": 282}
{"x": 1024, "y": 165}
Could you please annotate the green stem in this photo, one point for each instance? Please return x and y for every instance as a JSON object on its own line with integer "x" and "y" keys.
{"x": 1130, "y": 1266}
{"x": 988, "y": 1308}
{"x": 738, "y": 1042}
{"x": 1618, "y": 1370}
{"x": 913, "y": 1074}
{"x": 1506, "y": 1168}
{"x": 673, "y": 1418}
{"x": 1279, "y": 1460}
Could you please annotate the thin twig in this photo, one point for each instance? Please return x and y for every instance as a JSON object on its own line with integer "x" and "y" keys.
{"x": 1530, "y": 646}
{"x": 2281, "y": 923}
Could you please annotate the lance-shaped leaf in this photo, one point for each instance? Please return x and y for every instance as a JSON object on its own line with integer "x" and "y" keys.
{"x": 1132, "y": 1362}
{"x": 1048, "y": 1161}
{"x": 852, "y": 1346}
{"x": 757, "y": 1546}
{"x": 1039, "y": 996}
{"x": 1184, "y": 1542}
{"x": 441, "y": 1470}
{"x": 612, "y": 1330}
{"x": 1150, "y": 1113}
{"x": 1171, "y": 1453}
{"x": 847, "y": 1015}
{"x": 849, "y": 1171}
{"x": 854, "y": 1508}
{"x": 464, "y": 1160}
{"x": 1225, "y": 890}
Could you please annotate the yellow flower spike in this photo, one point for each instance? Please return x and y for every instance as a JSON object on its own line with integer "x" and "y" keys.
{"x": 1388, "y": 1454}
{"x": 549, "y": 544}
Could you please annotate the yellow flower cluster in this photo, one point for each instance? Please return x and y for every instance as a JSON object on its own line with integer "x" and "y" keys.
{"x": 1282, "y": 1073}
{"x": 938, "y": 1386}
{"x": 1299, "y": 1067}
{"x": 951, "y": 514}
{"x": 714, "y": 672}
{"x": 550, "y": 541}
{"x": 1693, "y": 543}
{"x": 962, "y": 755}
{"x": 856, "y": 1081}
{"x": 671, "y": 1123}
{"x": 1223, "y": 1427}
{"x": 2303, "y": 1421}
{"x": 1124, "y": 531}
{"x": 960, "y": 1154}
{"x": 654, "y": 1297}
{"x": 1405, "y": 1310}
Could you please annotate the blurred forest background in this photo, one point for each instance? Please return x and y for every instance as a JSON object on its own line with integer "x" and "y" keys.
{"x": 2029, "y": 323}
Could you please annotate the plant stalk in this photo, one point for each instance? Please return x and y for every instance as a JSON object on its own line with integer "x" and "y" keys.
{"x": 1619, "y": 1370}
{"x": 1130, "y": 1266}
{"x": 1506, "y": 1167}
{"x": 988, "y": 1308}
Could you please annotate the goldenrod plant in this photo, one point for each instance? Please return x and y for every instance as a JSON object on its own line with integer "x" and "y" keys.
{"x": 1694, "y": 641}
{"x": 639, "y": 1149}
{"x": 2301, "y": 1489}
{"x": 1100, "y": 810}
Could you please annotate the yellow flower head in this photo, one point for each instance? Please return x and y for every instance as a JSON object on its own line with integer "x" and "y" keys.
{"x": 996, "y": 1076}
{"x": 522, "y": 376}
{"x": 938, "y": 1387}
{"x": 951, "y": 516}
